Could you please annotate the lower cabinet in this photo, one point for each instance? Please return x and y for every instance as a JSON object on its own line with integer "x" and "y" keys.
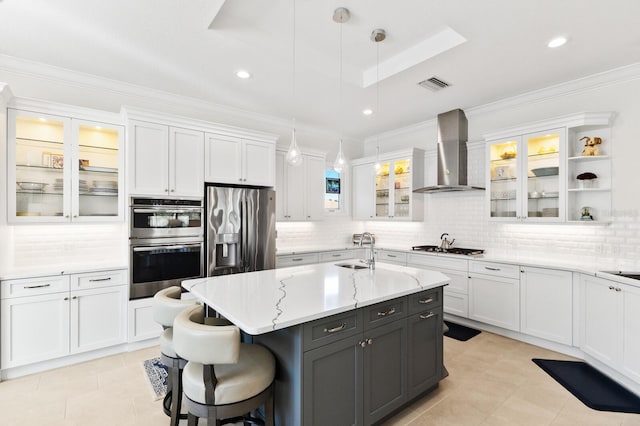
{"x": 142, "y": 326}
{"x": 49, "y": 317}
{"x": 494, "y": 294}
{"x": 610, "y": 324}
{"x": 388, "y": 354}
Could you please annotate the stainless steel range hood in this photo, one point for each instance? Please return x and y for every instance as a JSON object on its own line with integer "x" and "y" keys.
{"x": 452, "y": 154}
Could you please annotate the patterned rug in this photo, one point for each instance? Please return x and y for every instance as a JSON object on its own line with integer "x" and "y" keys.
{"x": 156, "y": 373}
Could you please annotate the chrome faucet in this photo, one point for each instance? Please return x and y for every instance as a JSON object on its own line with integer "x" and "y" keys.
{"x": 445, "y": 244}
{"x": 371, "y": 261}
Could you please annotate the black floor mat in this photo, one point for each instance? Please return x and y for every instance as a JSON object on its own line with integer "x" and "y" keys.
{"x": 460, "y": 332}
{"x": 590, "y": 386}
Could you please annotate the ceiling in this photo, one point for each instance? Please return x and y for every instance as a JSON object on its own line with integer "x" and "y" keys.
{"x": 194, "y": 47}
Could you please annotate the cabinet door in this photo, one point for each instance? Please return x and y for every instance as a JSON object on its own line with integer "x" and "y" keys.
{"x": 97, "y": 172}
{"x": 600, "y": 328}
{"x": 364, "y": 178}
{"x": 149, "y": 158}
{"x": 34, "y": 328}
{"x": 223, "y": 159}
{"x": 39, "y": 178}
{"x": 186, "y": 162}
{"x": 258, "y": 163}
{"x": 543, "y": 169}
{"x": 142, "y": 326}
{"x": 630, "y": 331}
{"x": 332, "y": 384}
{"x": 385, "y": 370}
{"x": 401, "y": 189}
{"x": 495, "y": 300}
{"x": 98, "y": 318}
{"x": 295, "y": 192}
{"x": 314, "y": 188}
{"x": 546, "y": 304}
{"x": 424, "y": 350}
{"x": 280, "y": 188}
{"x": 503, "y": 179}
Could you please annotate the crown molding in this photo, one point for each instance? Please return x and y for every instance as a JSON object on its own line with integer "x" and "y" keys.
{"x": 65, "y": 110}
{"x": 612, "y": 77}
{"x": 86, "y": 81}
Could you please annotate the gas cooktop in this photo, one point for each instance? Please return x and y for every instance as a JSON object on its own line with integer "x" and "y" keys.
{"x": 452, "y": 250}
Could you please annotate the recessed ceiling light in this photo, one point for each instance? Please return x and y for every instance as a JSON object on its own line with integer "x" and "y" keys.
{"x": 243, "y": 74}
{"x": 557, "y": 42}
{"x": 367, "y": 111}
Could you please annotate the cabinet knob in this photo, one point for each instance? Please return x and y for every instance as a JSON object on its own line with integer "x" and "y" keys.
{"x": 75, "y": 215}
{"x": 369, "y": 341}
{"x": 240, "y": 179}
{"x": 66, "y": 216}
{"x": 74, "y": 297}
{"x": 166, "y": 190}
{"x": 618, "y": 289}
{"x": 611, "y": 287}
{"x": 173, "y": 190}
{"x": 66, "y": 298}
{"x": 362, "y": 343}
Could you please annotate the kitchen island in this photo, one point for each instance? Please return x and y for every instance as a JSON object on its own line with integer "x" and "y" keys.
{"x": 352, "y": 344}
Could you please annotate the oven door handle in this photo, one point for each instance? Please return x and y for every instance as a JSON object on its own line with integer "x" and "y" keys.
{"x": 175, "y": 247}
{"x": 173, "y": 210}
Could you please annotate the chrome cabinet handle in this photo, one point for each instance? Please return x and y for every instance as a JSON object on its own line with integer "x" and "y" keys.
{"x": 491, "y": 269}
{"x": 391, "y": 255}
{"x": 336, "y": 255}
{"x": 389, "y": 312}
{"x": 297, "y": 259}
{"x": 37, "y": 286}
{"x": 429, "y": 315}
{"x": 161, "y": 247}
{"x": 99, "y": 279}
{"x": 425, "y": 301}
{"x": 335, "y": 329}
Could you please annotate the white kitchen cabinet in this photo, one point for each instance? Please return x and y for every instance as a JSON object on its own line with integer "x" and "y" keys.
{"x": 546, "y": 304}
{"x": 239, "y": 161}
{"x": 456, "y": 294}
{"x": 165, "y": 160}
{"x": 364, "y": 190}
{"x": 300, "y": 188}
{"x": 142, "y": 326}
{"x": 494, "y": 294}
{"x": 393, "y": 183}
{"x": 610, "y": 324}
{"x": 296, "y": 259}
{"x": 525, "y": 177}
{"x": 335, "y": 255}
{"x": 49, "y": 317}
{"x": 64, "y": 169}
{"x": 391, "y": 256}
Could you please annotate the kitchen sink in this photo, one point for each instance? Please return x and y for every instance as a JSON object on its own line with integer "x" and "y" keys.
{"x": 351, "y": 266}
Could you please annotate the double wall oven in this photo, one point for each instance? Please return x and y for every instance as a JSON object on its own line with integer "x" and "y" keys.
{"x": 166, "y": 243}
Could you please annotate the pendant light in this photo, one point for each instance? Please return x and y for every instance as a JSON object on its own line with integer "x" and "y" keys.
{"x": 340, "y": 15}
{"x": 377, "y": 36}
{"x": 293, "y": 156}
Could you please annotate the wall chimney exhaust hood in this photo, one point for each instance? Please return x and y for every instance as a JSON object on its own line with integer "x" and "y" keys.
{"x": 452, "y": 154}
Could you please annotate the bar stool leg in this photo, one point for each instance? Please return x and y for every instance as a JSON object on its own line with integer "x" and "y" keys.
{"x": 176, "y": 399}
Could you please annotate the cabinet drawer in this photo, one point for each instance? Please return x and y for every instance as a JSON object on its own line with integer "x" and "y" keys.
{"x": 296, "y": 260}
{"x": 98, "y": 279}
{"x": 331, "y": 329}
{"x": 330, "y": 256}
{"x": 382, "y": 313}
{"x": 425, "y": 300}
{"x": 392, "y": 257}
{"x": 34, "y": 286}
{"x": 437, "y": 262}
{"x": 456, "y": 304}
{"x": 496, "y": 269}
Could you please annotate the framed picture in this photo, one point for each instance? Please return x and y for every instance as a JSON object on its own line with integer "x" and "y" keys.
{"x": 333, "y": 186}
{"x": 57, "y": 161}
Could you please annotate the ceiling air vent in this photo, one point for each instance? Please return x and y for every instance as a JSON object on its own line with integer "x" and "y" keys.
{"x": 434, "y": 84}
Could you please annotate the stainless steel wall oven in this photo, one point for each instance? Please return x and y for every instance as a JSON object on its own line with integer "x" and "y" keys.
{"x": 166, "y": 244}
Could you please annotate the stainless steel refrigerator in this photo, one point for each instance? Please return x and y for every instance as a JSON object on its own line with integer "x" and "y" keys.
{"x": 241, "y": 229}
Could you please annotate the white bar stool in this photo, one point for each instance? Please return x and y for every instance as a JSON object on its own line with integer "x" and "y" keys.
{"x": 224, "y": 380}
{"x": 166, "y": 306}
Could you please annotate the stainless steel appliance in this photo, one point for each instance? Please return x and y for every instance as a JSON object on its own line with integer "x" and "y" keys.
{"x": 450, "y": 250}
{"x": 166, "y": 244}
{"x": 241, "y": 229}
{"x": 161, "y": 218}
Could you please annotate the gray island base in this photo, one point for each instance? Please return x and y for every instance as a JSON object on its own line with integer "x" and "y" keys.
{"x": 380, "y": 351}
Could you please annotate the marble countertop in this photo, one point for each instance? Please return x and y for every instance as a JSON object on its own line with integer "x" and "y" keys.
{"x": 264, "y": 301}
{"x": 71, "y": 267}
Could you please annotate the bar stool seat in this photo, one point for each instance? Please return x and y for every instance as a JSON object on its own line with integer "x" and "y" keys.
{"x": 224, "y": 380}
{"x": 167, "y": 304}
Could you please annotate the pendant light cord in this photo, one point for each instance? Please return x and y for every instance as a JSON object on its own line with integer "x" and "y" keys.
{"x": 293, "y": 67}
{"x": 340, "y": 120}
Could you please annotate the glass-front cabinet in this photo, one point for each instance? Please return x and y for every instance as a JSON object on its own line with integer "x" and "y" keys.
{"x": 393, "y": 189}
{"x": 63, "y": 169}
{"x": 526, "y": 177}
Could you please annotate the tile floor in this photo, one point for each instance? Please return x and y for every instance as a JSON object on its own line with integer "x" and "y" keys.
{"x": 492, "y": 381}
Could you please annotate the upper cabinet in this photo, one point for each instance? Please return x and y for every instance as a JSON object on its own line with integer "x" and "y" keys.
{"x": 63, "y": 169}
{"x": 165, "y": 160}
{"x": 526, "y": 177}
{"x": 300, "y": 188}
{"x": 239, "y": 161}
{"x": 386, "y": 193}
{"x": 543, "y": 172}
